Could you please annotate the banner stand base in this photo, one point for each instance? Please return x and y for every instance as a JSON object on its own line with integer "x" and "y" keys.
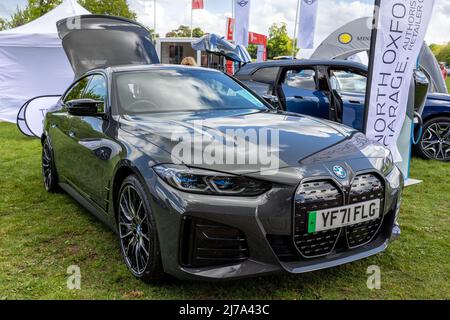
{"x": 411, "y": 182}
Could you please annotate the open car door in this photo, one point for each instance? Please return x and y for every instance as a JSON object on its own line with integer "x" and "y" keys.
{"x": 93, "y": 41}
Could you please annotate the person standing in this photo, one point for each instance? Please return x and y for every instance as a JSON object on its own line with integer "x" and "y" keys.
{"x": 189, "y": 61}
{"x": 444, "y": 71}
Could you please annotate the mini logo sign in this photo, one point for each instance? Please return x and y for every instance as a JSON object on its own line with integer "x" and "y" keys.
{"x": 243, "y": 3}
{"x": 340, "y": 172}
{"x": 309, "y": 2}
{"x": 345, "y": 38}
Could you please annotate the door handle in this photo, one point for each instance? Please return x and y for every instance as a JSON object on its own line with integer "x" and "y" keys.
{"x": 72, "y": 134}
{"x": 299, "y": 97}
{"x": 354, "y": 101}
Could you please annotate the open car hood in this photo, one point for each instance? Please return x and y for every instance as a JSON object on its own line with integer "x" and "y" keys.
{"x": 216, "y": 44}
{"x": 93, "y": 41}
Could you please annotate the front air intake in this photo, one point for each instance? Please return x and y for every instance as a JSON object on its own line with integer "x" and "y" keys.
{"x": 205, "y": 243}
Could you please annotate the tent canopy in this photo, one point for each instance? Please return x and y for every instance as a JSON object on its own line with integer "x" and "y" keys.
{"x": 32, "y": 60}
{"x": 216, "y": 44}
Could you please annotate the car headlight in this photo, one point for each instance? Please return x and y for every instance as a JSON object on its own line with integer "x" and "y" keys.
{"x": 388, "y": 162}
{"x": 210, "y": 182}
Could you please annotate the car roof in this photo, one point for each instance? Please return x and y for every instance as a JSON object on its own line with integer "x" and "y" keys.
{"x": 252, "y": 67}
{"x": 145, "y": 67}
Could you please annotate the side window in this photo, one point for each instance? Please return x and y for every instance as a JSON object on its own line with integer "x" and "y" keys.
{"x": 96, "y": 90}
{"x": 347, "y": 81}
{"x": 76, "y": 92}
{"x": 266, "y": 75}
{"x": 301, "y": 79}
{"x": 264, "y": 80}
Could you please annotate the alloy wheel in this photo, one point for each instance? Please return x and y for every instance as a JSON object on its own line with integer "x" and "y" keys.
{"x": 134, "y": 230}
{"x": 435, "y": 142}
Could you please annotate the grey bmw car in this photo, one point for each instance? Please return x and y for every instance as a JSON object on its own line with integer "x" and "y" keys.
{"x": 122, "y": 142}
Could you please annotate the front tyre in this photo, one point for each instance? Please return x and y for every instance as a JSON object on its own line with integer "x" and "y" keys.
{"x": 48, "y": 168}
{"x": 137, "y": 232}
{"x": 435, "y": 141}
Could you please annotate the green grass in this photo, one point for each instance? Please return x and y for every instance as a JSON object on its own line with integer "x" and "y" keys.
{"x": 42, "y": 234}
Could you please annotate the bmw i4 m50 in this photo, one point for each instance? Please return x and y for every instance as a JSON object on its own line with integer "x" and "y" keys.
{"x": 327, "y": 196}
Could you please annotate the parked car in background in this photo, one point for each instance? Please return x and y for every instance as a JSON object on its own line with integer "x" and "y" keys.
{"x": 335, "y": 90}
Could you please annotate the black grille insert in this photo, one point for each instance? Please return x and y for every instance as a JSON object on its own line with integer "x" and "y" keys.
{"x": 207, "y": 243}
{"x": 364, "y": 188}
{"x": 324, "y": 194}
{"x": 312, "y": 196}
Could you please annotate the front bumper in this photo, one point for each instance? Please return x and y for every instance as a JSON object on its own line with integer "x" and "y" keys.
{"x": 267, "y": 223}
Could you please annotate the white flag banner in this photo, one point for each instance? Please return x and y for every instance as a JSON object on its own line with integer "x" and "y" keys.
{"x": 241, "y": 25}
{"x": 307, "y": 24}
{"x": 401, "y": 27}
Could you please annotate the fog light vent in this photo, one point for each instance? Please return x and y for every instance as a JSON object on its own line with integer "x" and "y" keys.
{"x": 205, "y": 243}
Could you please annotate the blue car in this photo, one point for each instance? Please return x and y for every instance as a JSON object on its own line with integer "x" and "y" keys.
{"x": 310, "y": 87}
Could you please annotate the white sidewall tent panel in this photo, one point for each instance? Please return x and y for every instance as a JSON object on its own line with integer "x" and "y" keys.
{"x": 33, "y": 62}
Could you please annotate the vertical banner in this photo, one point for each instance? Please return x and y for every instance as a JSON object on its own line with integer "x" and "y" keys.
{"x": 242, "y": 21}
{"x": 230, "y": 34}
{"x": 230, "y": 29}
{"x": 400, "y": 27}
{"x": 261, "y": 41}
{"x": 197, "y": 4}
{"x": 307, "y": 24}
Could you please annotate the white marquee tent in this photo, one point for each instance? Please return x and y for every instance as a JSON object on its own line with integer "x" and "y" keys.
{"x": 32, "y": 60}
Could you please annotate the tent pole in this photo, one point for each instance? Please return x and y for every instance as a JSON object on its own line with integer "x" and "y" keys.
{"x": 154, "y": 20}
{"x": 295, "y": 28}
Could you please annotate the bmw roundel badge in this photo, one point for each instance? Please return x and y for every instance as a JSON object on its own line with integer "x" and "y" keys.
{"x": 340, "y": 172}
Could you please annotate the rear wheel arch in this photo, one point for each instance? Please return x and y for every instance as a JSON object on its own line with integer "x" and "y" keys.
{"x": 436, "y": 115}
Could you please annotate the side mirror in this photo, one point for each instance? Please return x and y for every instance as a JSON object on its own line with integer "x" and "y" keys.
{"x": 84, "y": 107}
{"x": 272, "y": 100}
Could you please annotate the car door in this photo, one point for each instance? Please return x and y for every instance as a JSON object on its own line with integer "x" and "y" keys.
{"x": 350, "y": 86}
{"x": 299, "y": 92}
{"x": 59, "y": 126}
{"x": 91, "y": 168}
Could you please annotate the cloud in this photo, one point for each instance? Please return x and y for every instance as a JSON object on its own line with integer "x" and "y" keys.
{"x": 332, "y": 14}
{"x": 439, "y": 31}
{"x": 3, "y": 12}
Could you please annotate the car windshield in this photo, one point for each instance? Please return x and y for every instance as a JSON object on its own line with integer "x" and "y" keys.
{"x": 183, "y": 89}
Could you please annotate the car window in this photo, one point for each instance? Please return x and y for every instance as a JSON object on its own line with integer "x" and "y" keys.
{"x": 347, "y": 81}
{"x": 302, "y": 79}
{"x": 187, "y": 89}
{"x": 266, "y": 75}
{"x": 96, "y": 90}
{"x": 76, "y": 92}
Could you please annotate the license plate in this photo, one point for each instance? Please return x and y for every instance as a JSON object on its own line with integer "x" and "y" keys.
{"x": 332, "y": 218}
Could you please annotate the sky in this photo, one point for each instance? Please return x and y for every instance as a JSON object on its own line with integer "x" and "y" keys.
{"x": 332, "y": 14}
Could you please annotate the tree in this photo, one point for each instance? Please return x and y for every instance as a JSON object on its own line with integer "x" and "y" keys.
{"x": 118, "y": 8}
{"x": 33, "y": 10}
{"x": 3, "y": 24}
{"x": 37, "y": 8}
{"x": 435, "y": 48}
{"x": 442, "y": 52}
{"x": 279, "y": 42}
{"x": 185, "y": 32}
{"x": 253, "y": 50}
